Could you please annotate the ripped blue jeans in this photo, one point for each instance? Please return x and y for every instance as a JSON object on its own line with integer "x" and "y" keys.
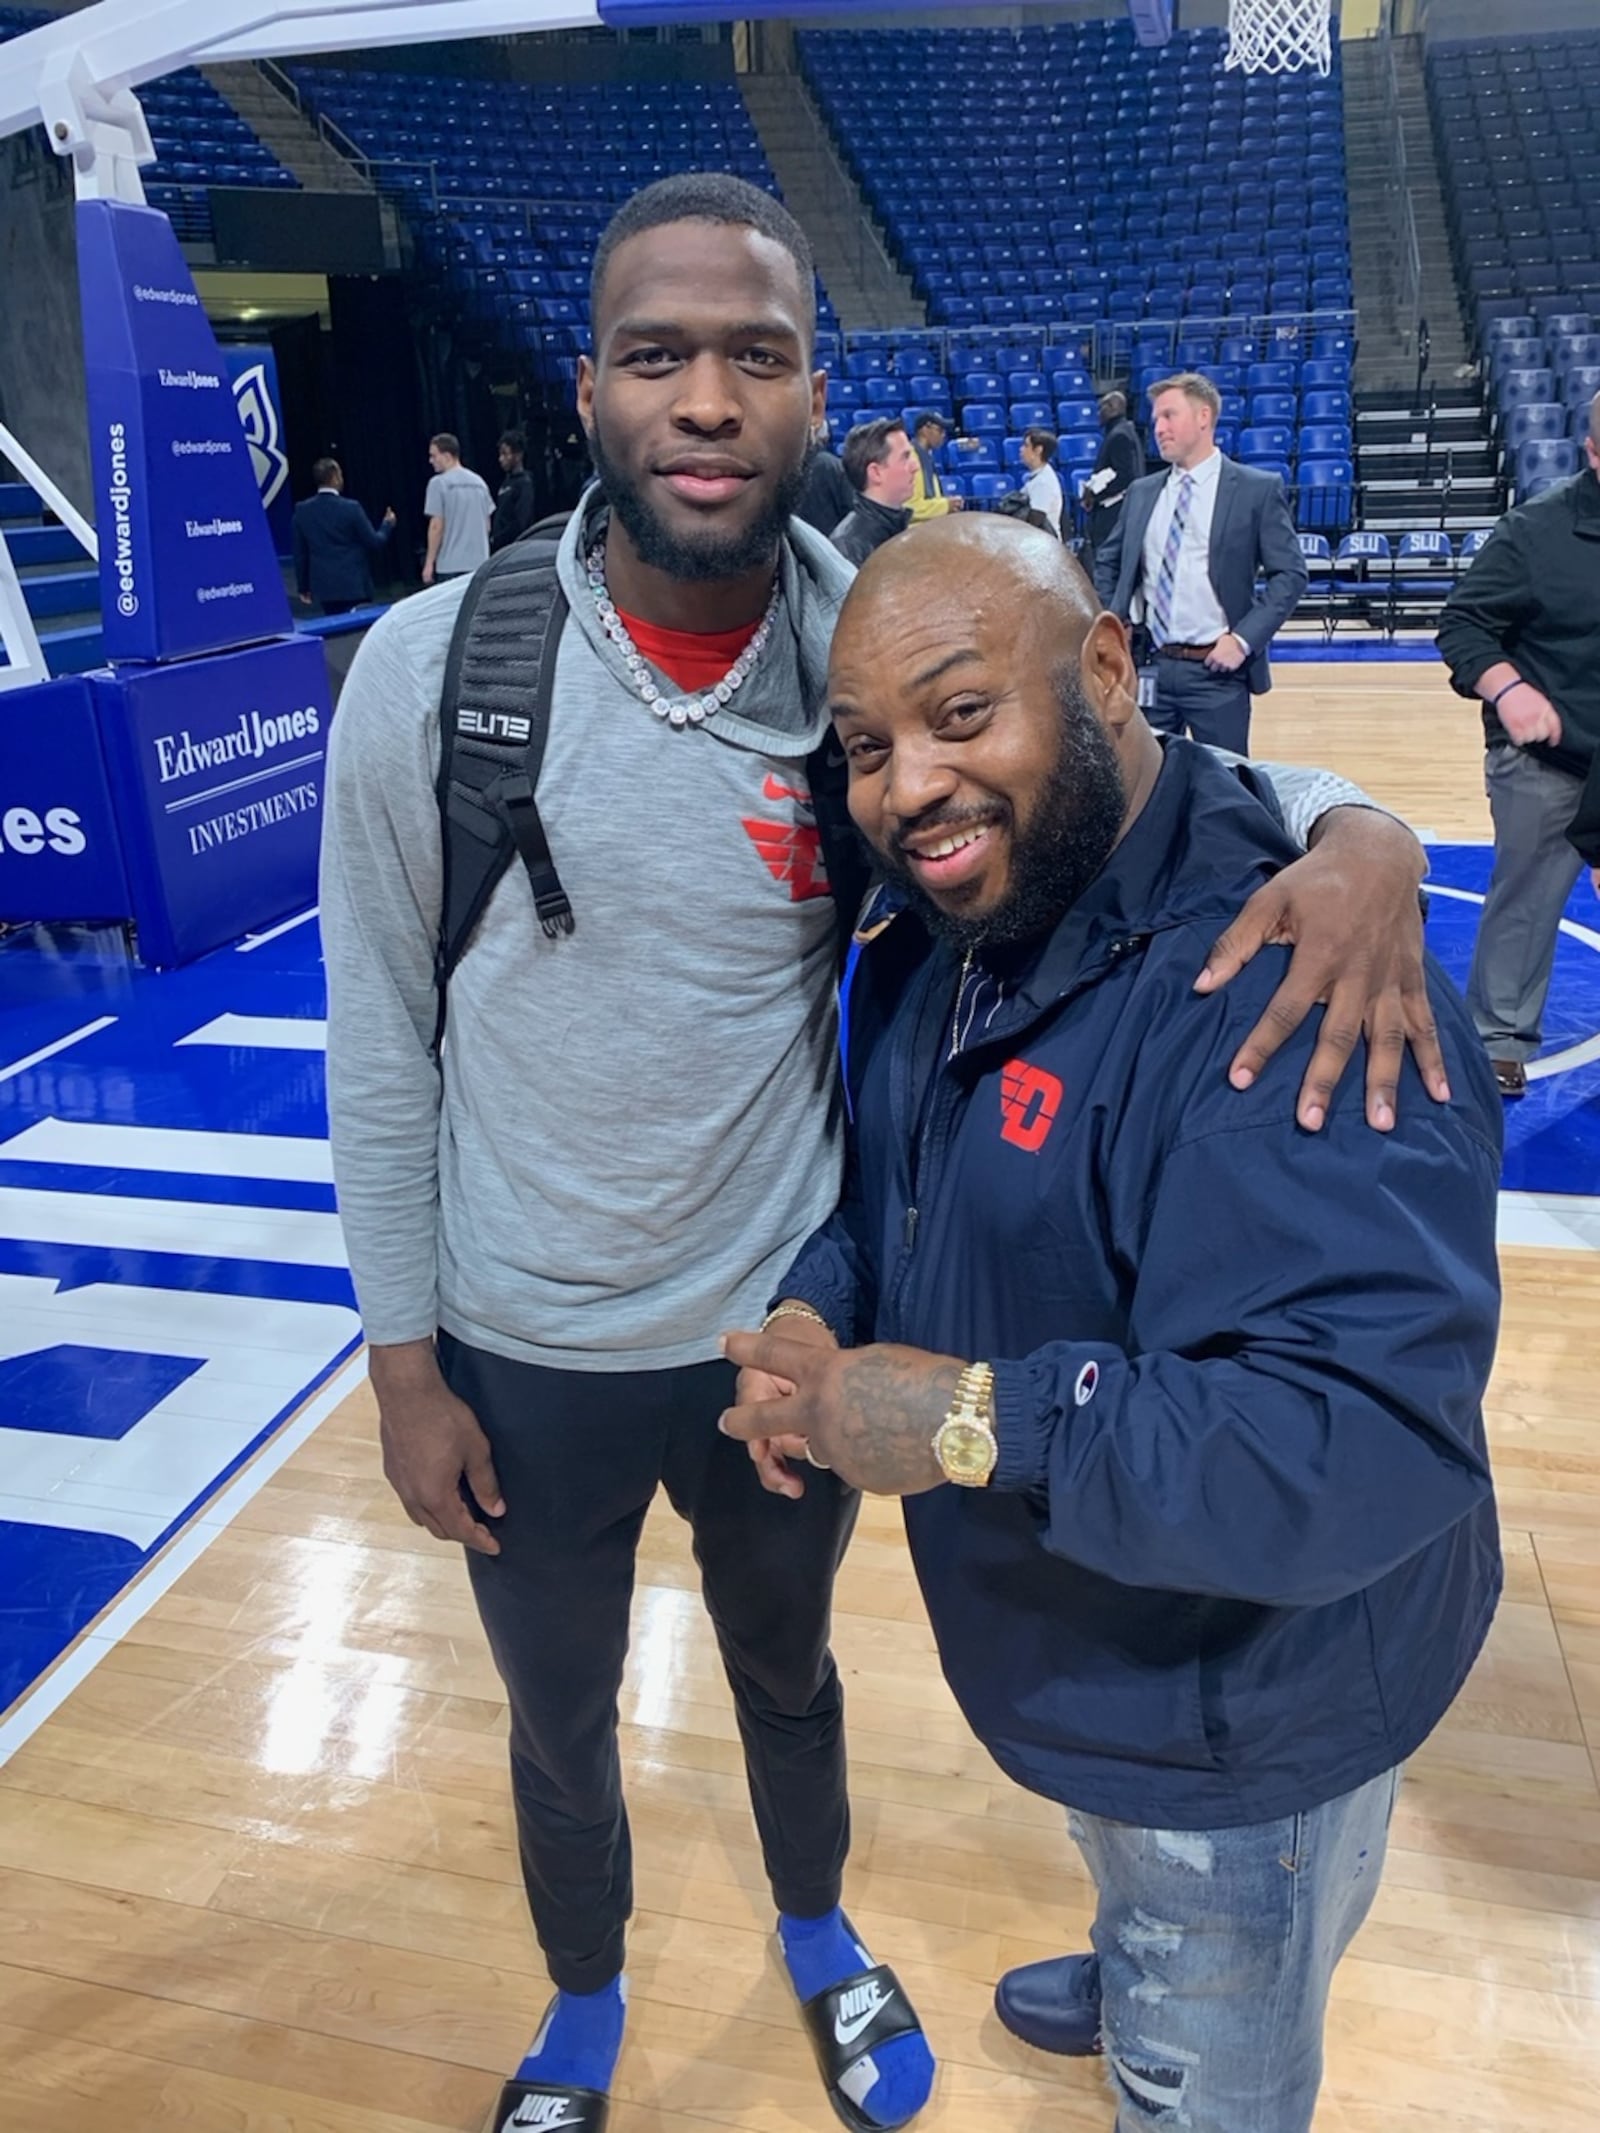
{"x": 1216, "y": 1951}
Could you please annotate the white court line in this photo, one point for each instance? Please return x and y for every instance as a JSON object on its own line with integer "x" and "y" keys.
{"x": 260, "y": 940}
{"x": 194, "y": 1229}
{"x": 273, "y": 1033}
{"x": 38, "y": 1704}
{"x": 182, "y": 1151}
{"x": 21, "y": 1066}
{"x": 1550, "y": 1221}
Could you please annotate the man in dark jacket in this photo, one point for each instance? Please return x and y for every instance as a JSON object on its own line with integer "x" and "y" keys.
{"x": 1521, "y": 632}
{"x": 1118, "y": 467}
{"x": 1223, "y": 1545}
{"x": 827, "y": 497}
{"x": 334, "y": 545}
{"x": 882, "y": 469}
{"x": 1184, "y": 562}
{"x": 516, "y": 507}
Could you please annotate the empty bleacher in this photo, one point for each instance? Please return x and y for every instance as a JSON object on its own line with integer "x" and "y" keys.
{"x": 1061, "y": 185}
{"x": 508, "y": 185}
{"x": 1518, "y": 133}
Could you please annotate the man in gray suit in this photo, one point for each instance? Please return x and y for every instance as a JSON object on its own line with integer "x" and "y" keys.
{"x": 1183, "y": 563}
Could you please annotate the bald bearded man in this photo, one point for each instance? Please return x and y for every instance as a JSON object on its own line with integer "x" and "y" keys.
{"x": 1185, "y": 1402}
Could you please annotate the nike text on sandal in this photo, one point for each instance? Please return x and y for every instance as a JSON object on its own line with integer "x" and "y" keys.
{"x": 547, "y": 2107}
{"x": 846, "y": 2024}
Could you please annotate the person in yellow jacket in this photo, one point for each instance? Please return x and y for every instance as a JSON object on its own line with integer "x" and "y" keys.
{"x": 928, "y": 499}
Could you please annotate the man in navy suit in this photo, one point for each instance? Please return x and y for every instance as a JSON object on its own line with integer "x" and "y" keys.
{"x": 1183, "y": 563}
{"x": 334, "y": 543}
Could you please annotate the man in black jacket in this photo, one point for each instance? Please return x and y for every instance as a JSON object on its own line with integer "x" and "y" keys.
{"x": 1521, "y": 632}
{"x": 334, "y": 544}
{"x": 827, "y": 497}
{"x": 882, "y": 467}
{"x": 1119, "y": 466}
{"x": 1184, "y": 561}
{"x": 516, "y": 507}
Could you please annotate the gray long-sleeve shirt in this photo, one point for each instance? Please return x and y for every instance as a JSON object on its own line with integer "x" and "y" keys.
{"x": 632, "y": 1131}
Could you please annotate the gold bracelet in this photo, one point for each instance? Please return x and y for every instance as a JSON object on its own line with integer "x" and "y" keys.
{"x": 794, "y": 1310}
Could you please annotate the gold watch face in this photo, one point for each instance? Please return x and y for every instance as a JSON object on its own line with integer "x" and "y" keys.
{"x": 966, "y": 1451}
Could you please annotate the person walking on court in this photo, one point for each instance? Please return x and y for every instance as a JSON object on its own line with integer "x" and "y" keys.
{"x": 881, "y": 467}
{"x": 1521, "y": 633}
{"x": 336, "y": 544}
{"x": 1222, "y": 1544}
{"x": 516, "y": 508}
{"x": 459, "y": 509}
{"x": 1183, "y": 563}
{"x": 628, "y": 1132}
{"x": 1118, "y": 465}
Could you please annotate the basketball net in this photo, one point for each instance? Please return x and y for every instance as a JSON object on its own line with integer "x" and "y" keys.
{"x": 1278, "y": 36}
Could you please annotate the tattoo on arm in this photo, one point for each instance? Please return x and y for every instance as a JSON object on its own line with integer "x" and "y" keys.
{"x": 890, "y": 1405}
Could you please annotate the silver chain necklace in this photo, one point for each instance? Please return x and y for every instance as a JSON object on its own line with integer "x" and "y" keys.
{"x": 676, "y": 710}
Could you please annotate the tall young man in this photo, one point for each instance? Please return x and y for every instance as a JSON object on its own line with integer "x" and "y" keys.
{"x": 630, "y": 1131}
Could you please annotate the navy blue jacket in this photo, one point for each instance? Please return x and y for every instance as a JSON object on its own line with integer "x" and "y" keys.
{"x": 1240, "y": 1549}
{"x": 334, "y": 543}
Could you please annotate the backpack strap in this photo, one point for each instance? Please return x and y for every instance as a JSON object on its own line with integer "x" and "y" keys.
{"x": 494, "y": 720}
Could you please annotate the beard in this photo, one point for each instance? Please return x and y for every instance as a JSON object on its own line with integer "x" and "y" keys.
{"x": 1071, "y": 834}
{"x": 699, "y": 558}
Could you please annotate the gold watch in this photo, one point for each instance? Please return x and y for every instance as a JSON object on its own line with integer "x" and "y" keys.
{"x": 964, "y": 1443}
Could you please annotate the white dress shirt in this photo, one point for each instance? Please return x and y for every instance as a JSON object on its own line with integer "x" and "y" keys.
{"x": 1197, "y": 616}
{"x": 1044, "y": 494}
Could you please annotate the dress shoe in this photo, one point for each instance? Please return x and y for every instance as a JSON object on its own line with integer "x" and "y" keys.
{"x": 1054, "y": 2006}
{"x": 1511, "y": 1077}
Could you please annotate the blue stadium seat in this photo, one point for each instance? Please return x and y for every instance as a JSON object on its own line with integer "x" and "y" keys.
{"x": 1325, "y": 441}
{"x": 1473, "y": 541}
{"x": 1325, "y": 407}
{"x": 1534, "y": 418}
{"x": 1264, "y": 441}
{"x": 983, "y": 418}
{"x": 988, "y": 488}
{"x": 1546, "y": 459}
{"x": 1271, "y": 377}
{"x": 1515, "y": 386}
{"x": 1275, "y": 407}
{"x": 1031, "y": 414}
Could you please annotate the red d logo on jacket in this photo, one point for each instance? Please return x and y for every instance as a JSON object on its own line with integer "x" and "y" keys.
{"x": 1029, "y": 1101}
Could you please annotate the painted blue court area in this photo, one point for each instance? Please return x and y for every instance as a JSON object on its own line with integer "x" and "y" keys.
{"x": 1553, "y": 1133}
{"x": 172, "y": 1280}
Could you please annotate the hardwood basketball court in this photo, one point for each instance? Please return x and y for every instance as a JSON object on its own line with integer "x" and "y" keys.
{"x": 258, "y": 1874}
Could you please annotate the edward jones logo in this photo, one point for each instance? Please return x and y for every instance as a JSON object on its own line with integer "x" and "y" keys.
{"x": 121, "y": 500}
{"x": 180, "y": 755}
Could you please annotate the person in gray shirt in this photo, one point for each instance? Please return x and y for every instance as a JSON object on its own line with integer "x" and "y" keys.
{"x": 629, "y": 1131}
{"x": 459, "y": 509}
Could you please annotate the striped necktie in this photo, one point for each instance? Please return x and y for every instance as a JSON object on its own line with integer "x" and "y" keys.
{"x": 1161, "y": 607}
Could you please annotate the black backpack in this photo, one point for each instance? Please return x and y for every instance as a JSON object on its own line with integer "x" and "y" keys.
{"x": 494, "y": 720}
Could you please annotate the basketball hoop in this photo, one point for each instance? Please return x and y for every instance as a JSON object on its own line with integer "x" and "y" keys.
{"x": 1278, "y": 36}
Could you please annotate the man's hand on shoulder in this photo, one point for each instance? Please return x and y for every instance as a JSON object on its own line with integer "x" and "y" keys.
{"x": 1351, "y": 911}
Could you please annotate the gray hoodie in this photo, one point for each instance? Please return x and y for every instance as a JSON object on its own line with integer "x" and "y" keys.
{"x": 631, "y": 1131}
